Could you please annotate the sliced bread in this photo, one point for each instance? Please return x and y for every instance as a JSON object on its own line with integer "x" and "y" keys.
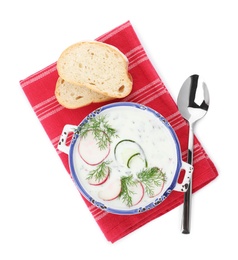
{"x": 98, "y": 66}
{"x": 73, "y": 96}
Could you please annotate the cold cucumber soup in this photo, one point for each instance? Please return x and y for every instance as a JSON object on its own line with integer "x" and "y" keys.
{"x": 124, "y": 157}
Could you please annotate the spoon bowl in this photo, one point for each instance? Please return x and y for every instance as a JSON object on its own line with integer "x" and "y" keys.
{"x": 193, "y": 99}
{"x": 193, "y": 103}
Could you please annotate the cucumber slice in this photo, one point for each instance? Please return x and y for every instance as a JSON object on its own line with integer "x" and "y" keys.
{"x": 128, "y": 150}
{"x": 131, "y": 158}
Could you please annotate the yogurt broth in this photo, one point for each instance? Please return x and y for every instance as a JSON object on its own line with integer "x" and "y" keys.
{"x": 137, "y": 163}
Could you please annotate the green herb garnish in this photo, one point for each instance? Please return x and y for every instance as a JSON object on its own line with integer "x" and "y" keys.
{"x": 101, "y": 130}
{"x": 126, "y": 193}
{"x": 100, "y": 171}
{"x": 151, "y": 177}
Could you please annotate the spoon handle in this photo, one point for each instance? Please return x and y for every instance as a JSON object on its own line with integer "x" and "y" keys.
{"x": 188, "y": 194}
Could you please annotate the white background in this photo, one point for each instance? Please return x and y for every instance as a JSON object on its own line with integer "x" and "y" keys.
{"x": 42, "y": 215}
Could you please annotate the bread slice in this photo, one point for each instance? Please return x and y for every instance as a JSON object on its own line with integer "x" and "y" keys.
{"x": 73, "y": 96}
{"x": 99, "y": 66}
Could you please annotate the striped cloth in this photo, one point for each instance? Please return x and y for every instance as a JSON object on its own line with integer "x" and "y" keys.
{"x": 148, "y": 89}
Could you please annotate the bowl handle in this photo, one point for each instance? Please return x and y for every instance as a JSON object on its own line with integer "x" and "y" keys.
{"x": 62, "y": 146}
{"x": 183, "y": 186}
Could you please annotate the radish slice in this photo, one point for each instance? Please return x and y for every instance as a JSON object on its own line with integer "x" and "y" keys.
{"x": 138, "y": 193}
{"x": 157, "y": 190}
{"x": 89, "y": 150}
{"x": 96, "y": 182}
{"x": 111, "y": 192}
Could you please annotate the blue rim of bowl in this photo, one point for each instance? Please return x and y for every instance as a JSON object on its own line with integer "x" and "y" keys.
{"x": 156, "y": 201}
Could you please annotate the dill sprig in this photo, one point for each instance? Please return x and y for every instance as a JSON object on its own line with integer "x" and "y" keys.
{"x": 151, "y": 177}
{"x": 102, "y": 131}
{"x": 100, "y": 171}
{"x": 126, "y": 193}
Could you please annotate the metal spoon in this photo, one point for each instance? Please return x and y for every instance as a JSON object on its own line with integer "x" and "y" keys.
{"x": 193, "y": 103}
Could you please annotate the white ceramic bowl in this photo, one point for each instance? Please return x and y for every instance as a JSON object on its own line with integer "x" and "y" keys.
{"x": 125, "y": 158}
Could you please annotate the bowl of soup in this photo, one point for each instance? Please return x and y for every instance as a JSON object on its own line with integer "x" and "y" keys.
{"x": 125, "y": 158}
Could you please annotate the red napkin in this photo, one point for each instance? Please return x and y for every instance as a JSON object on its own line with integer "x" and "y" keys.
{"x": 148, "y": 89}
